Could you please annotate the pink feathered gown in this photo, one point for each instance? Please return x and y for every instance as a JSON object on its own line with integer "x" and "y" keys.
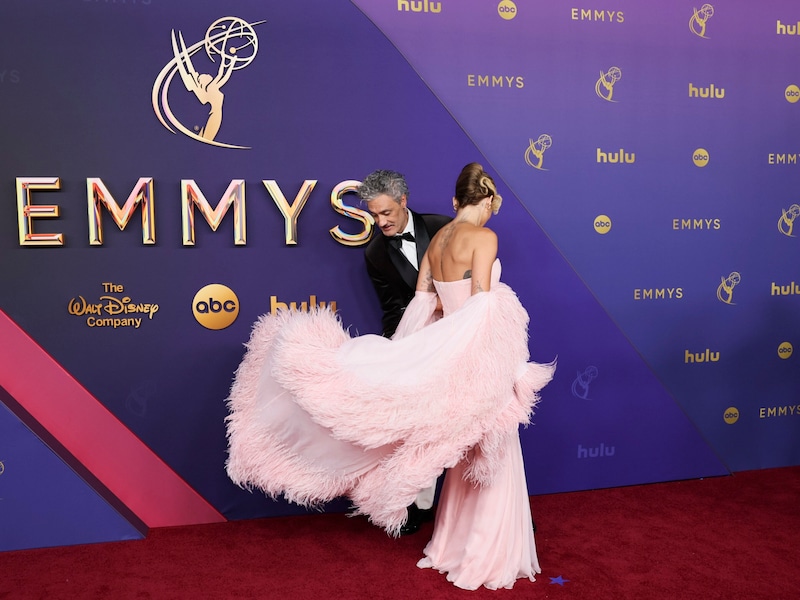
{"x": 316, "y": 414}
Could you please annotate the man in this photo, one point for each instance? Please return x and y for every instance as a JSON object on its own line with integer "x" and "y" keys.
{"x": 393, "y": 259}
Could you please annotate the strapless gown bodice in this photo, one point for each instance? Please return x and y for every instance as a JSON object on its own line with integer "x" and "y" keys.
{"x": 453, "y": 294}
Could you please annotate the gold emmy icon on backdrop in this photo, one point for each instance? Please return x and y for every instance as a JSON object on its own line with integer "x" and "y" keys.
{"x": 697, "y": 24}
{"x": 604, "y": 87}
{"x": 229, "y": 41}
{"x": 580, "y": 386}
{"x": 725, "y": 288}
{"x": 536, "y": 150}
{"x": 786, "y": 222}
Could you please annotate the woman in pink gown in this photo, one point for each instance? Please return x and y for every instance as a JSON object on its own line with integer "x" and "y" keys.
{"x": 316, "y": 414}
{"x": 483, "y": 535}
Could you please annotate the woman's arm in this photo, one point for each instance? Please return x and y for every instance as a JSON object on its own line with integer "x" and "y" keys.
{"x": 425, "y": 277}
{"x": 484, "y": 253}
{"x": 425, "y": 281}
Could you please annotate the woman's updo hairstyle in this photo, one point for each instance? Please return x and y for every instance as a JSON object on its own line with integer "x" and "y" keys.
{"x": 473, "y": 185}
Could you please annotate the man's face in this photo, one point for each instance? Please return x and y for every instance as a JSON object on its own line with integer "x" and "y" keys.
{"x": 390, "y": 216}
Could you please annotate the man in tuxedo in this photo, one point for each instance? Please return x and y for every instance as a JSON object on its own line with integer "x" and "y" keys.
{"x": 393, "y": 259}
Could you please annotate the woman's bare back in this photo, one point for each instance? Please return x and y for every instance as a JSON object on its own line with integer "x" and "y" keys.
{"x": 463, "y": 250}
{"x": 450, "y": 252}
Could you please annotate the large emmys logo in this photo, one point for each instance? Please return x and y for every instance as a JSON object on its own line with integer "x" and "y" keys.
{"x": 580, "y": 387}
{"x": 697, "y": 23}
{"x": 534, "y": 154}
{"x": 786, "y": 222}
{"x": 229, "y": 40}
{"x": 604, "y": 87}
{"x": 725, "y": 288}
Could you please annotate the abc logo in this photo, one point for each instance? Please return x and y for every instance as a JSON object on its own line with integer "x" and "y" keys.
{"x": 731, "y": 415}
{"x": 792, "y": 94}
{"x": 215, "y": 306}
{"x": 785, "y": 350}
{"x": 507, "y": 9}
{"x": 602, "y": 224}
{"x": 700, "y": 157}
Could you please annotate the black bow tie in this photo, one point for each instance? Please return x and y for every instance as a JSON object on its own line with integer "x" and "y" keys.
{"x": 397, "y": 241}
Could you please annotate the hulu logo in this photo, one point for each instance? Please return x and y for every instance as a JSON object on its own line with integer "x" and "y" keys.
{"x": 420, "y": 6}
{"x": 706, "y": 92}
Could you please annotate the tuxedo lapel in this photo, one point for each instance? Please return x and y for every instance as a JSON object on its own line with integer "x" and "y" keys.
{"x": 422, "y": 240}
{"x": 421, "y": 237}
{"x": 400, "y": 262}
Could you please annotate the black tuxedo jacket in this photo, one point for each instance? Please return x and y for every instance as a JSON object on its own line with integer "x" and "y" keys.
{"x": 394, "y": 278}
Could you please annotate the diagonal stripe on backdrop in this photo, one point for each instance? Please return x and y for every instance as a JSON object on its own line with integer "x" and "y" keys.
{"x": 95, "y": 437}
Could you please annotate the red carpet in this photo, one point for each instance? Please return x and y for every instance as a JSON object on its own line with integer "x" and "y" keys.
{"x": 726, "y": 538}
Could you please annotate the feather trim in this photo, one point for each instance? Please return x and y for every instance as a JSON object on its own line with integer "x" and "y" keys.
{"x": 405, "y": 408}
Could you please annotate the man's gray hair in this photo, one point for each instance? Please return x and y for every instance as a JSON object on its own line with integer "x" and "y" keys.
{"x": 381, "y": 182}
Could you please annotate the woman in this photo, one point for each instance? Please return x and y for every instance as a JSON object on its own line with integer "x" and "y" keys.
{"x": 483, "y": 535}
{"x": 315, "y": 414}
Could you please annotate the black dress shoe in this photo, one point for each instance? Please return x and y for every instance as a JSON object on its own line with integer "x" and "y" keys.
{"x": 416, "y": 517}
{"x": 408, "y": 528}
{"x": 427, "y": 514}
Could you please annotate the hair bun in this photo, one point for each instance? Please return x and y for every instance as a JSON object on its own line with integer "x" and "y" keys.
{"x": 485, "y": 185}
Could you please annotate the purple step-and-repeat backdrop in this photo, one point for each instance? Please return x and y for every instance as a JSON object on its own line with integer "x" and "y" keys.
{"x": 171, "y": 170}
